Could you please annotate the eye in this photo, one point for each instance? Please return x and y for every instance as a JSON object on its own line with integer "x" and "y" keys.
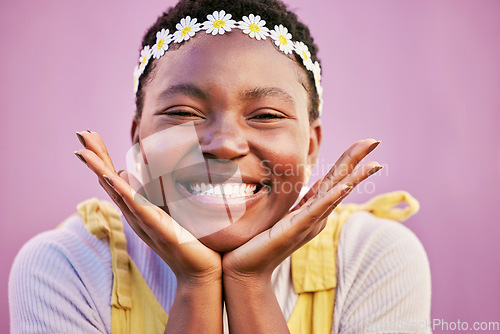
{"x": 267, "y": 115}
{"x": 182, "y": 113}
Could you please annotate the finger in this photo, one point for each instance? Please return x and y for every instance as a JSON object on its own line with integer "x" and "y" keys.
{"x": 319, "y": 207}
{"x": 100, "y": 169}
{"x": 150, "y": 218}
{"x": 124, "y": 175}
{"x": 133, "y": 181}
{"x": 92, "y": 141}
{"x": 355, "y": 153}
{"x": 300, "y": 226}
{"x": 313, "y": 191}
{"x": 305, "y": 223}
{"x": 157, "y": 228}
{"x": 163, "y": 231}
{"x": 355, "y": 178}
{"x": 347, "y": 163}
{"x": 129, "y": 216}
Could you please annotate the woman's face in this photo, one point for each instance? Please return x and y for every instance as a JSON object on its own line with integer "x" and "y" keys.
{"x": 225, "y": 136}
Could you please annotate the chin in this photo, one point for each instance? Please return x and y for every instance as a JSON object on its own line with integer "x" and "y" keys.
{"x": 225, "y": 240}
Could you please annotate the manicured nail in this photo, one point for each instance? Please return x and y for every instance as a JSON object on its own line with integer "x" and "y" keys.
{"x": 80, "y": 157}
{"x": 81, "y": 139}
{"x": 372, "y": 147}
{"x": 108, "y": 181}
{"x": 89, "y": 131}
{"x": 374, "y": 170}
{"x": 120, "y": 171}
{"x": 346, "y": 189}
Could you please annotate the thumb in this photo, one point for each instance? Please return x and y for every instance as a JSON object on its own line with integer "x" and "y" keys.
{"x": 132, "y": 181}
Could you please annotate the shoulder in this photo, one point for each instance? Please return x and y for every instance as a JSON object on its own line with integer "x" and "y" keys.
{"x": 370, "y": 245}
{"x": 365, "y": 237}
{"x": 383, "y": 275}
{"x": 57, "y": 276}
{"x": 71, "y": 243}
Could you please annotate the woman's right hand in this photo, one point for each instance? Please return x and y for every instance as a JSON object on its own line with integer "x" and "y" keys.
{"x": 191, "y": 262}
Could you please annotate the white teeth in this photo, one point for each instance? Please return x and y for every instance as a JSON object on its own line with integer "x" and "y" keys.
{"x": 228, "y": 189}
{"x": 223, "y": 189}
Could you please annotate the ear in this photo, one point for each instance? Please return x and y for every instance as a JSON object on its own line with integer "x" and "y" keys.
{"x": 134, "y": 131}
{"x": 314, "y": 142}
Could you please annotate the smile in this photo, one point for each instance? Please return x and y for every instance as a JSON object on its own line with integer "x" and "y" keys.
{"x": 221, "y": 196}
{"x": 228, "y": 190}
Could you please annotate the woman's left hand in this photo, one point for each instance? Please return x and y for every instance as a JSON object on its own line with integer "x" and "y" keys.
{"x": 256, "y": 259}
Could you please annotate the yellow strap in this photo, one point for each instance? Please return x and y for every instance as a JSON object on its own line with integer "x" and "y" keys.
{"x": 314, "y": 264}
{"x": 134, "y": 310}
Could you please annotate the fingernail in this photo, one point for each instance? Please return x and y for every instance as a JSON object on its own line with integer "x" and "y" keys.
{"x": 373, "y": 146}
{"x": 120, "y": 171}
{"x": 374, "y": 170}
{"x": 346, "y": 189}
{"x": 80, "y": 157}
{"x": 89, "y": 131}
{"x": 108, "y": 181}
{"x": 82, "y": 140}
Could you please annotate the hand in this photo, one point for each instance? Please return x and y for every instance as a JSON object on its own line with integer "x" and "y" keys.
{"x": 257, "y": 258}
{"x": 191, "y": 262}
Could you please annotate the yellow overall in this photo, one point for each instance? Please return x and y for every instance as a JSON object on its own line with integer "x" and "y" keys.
{"x": 136, "y": 310}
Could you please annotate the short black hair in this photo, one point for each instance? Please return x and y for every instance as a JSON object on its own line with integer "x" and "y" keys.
{"x": 274, "y": 12}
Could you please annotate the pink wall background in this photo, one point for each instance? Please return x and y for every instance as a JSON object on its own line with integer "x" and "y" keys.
{"x": 422, "y": 76}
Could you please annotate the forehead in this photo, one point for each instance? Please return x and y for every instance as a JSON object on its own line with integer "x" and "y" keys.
{"x": 232, "y": 61}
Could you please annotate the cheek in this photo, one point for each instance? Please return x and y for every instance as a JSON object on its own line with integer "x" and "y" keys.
{"x": 288, "y": 176}
{"x": 285, "y": 163}
{"x": 162, "y": 154}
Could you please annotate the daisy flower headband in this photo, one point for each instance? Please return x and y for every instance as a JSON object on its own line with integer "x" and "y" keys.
{"x": 220, "y": 22}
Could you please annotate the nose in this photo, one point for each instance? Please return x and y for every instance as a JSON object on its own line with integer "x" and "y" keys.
{"x": 225, "y": 141}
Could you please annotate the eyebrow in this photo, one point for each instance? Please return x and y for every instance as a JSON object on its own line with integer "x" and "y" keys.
{"x": 185, "y": 89}
{"x": 262, "y": 92}
{"x": 251, "y": 94}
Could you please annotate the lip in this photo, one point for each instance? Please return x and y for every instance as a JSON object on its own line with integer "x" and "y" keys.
{"x": 216, "y": 172}
{"x": 211, "y": 177}
{"x": 222, "y": 204}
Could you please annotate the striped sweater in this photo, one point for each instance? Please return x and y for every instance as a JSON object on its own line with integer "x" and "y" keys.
{"x": 61, "y": 280}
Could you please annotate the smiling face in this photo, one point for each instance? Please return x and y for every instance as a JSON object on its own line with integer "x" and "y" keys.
{"x": 226, "y": 118}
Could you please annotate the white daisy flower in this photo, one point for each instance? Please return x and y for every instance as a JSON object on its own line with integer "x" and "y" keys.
{"x": 282, "y": 38}
{"x": 186, "y": 29}
{"x": 145, "y": 56}
{"x": 163, "y": 39}
{"x": 253, "y": 26}
{"x": 137, "y": 75}
{"x": 219, "y": 23}
{"x": 319, "y": 89}
{"x": 316, "y": 69}
{"x": 303, "y": 51}
{"x": 320, "y": 106}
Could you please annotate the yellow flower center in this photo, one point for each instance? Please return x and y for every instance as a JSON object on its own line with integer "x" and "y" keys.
{"x": 283, "y": 40}
{"x": 144, "y": 60}
{"x": 160, "y": 44}
{"x": 304, "y": 54}
{"x": 219, "y": 24}
{"x": 254, "y": 27}
{"x": 185, "y": 31}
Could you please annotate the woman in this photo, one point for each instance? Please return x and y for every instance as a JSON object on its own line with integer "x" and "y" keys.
{"x": 226, "y": 130}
